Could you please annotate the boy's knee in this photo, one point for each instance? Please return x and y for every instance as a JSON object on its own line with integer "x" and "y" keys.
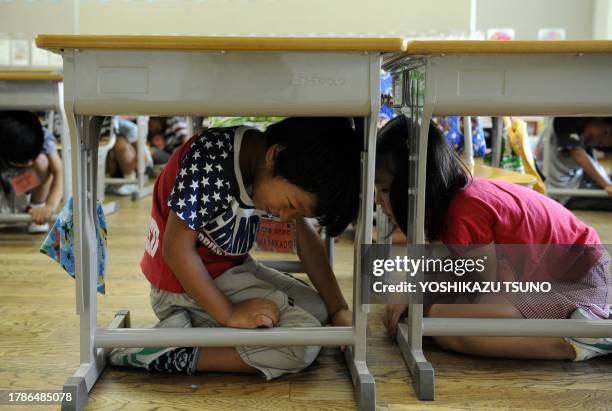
{"x": 277, "y": 361}
{"x": 122, "y": 146}
{"x": 319, "y": 310}
{"x": 302, "y": 356}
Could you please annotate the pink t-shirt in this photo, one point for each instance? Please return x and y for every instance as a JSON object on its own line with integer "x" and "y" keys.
{"x": 497, "y": 212}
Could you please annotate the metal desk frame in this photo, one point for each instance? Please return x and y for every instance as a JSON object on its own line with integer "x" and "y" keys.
{"x": 489, "y": 78}
{"x": 105, "y": 75}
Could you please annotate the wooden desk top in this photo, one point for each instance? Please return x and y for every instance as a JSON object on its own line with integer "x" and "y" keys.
{"x": 57, "y": 42}
{"x": 494, "y": 173}
{"x": 30, "y": 75}
{"x": 419, "y": 47}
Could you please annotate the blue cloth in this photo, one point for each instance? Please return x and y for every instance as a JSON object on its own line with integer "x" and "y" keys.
{"x": 386, "y": 83}
{"x": 59, "y": 244}
{"x": 49, "y": 143}
{"x": 386, "y": 112}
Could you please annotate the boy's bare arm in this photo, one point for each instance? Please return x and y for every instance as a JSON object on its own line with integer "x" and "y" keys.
{"x": 42, "y": 214}
{"x": 313, "y": 256}
{"x": 180, "y": 254}
{"x": 57, "y": 185}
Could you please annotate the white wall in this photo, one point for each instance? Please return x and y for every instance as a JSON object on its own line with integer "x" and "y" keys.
{"x": 581, "y": 18}
{"x": 278, "y": 17}
{"x": 527, "y": 16}
{"x": 37, "y": 16}
{"x": 239, "y": 17}
{"x": 603, "y": 20}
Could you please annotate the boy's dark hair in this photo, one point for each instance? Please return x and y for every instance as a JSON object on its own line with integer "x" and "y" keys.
{"x": 446, "y": 173}
{"x": 21, "y": 136}
{"x": 322, "y": 156}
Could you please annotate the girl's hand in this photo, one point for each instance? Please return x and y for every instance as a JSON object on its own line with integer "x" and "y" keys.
{"x": 391, "y": 317}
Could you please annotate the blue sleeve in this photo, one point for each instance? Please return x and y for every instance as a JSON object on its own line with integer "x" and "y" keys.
{"x": 127, "y": 129}
{"x": 49, "y": 143}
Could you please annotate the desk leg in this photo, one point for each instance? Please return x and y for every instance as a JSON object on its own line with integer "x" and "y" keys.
{"x": 365, "y": 388}
{"x": 65, "y": 140}
{"x": 410, "y": 335}
{"x": 84, "y": 131}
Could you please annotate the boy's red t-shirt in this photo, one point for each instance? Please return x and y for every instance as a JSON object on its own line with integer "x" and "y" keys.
{"x": 489, "y": 211}
{"x": 216, "y": 255}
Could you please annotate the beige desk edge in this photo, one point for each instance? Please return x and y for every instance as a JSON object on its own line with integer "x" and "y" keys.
{"x": 57, "y": 42}
{"x": 509, "y": 47}
{"x": 30, "y": 75}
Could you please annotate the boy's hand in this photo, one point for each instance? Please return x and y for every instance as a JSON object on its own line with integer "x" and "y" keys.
{"x": 41, "y": 215}
{"x": 253, "y": 313}
{"x": 391, "y": 317}
{"x": 609, "y": 190}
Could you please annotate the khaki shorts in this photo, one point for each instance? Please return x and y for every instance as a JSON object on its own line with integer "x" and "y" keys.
{"x": 299, "y": 305}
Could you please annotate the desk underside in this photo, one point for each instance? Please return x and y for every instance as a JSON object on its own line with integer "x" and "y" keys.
{"x": 220, "y": 83}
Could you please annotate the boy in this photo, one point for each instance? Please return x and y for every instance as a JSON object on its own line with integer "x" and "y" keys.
{"x": 206, "y": 208}
{"x": 572, "y": 162}
{"x": 30, "y": 169}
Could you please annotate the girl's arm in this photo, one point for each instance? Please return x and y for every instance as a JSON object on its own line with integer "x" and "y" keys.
{"x": 179, "y": 250}
{"x": 313, "y": 256}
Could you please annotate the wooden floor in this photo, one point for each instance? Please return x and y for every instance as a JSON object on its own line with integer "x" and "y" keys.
{"x": 39, "y": 347}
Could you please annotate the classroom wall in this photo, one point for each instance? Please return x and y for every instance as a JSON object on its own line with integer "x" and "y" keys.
{"x": 34, "y": 16}
{"x": 603, "y": 20}
{"x": 527, "y": 16}
{"x": 239, "y": 17}
{"x": 581, "y": 18}
{"x": 278, "y": 17}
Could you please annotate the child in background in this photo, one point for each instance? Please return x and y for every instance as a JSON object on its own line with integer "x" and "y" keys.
{"x": 122, "y": 159}
{"x": 207, "y": 203}
{"x": 452, "y": 128}
{"x": 573, "y": 164}
{"x": 165, "y": 135}
{"x": 463, "y": 211}
{"x": 30, "y": 169}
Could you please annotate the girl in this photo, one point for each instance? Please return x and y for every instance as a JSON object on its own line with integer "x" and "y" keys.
{"x": 466, "y": 211}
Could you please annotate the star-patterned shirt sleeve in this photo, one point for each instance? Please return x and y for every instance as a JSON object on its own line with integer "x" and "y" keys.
{"x": 201, "y": 191}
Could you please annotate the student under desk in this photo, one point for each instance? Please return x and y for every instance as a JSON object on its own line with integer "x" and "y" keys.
{"x": 436, "y": 78}
{"x": 213, "y": 76}
{"x": 36, "y": 90}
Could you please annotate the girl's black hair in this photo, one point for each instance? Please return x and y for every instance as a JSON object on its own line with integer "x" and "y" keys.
{"x": 321, "y": 155}
{"x": 446, "y": 173}
{"x": 21, "y": 136}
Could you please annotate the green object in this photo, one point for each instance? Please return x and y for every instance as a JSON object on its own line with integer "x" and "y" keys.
{"x": 509, "y": 160}
{"x": 258, "y": 122}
